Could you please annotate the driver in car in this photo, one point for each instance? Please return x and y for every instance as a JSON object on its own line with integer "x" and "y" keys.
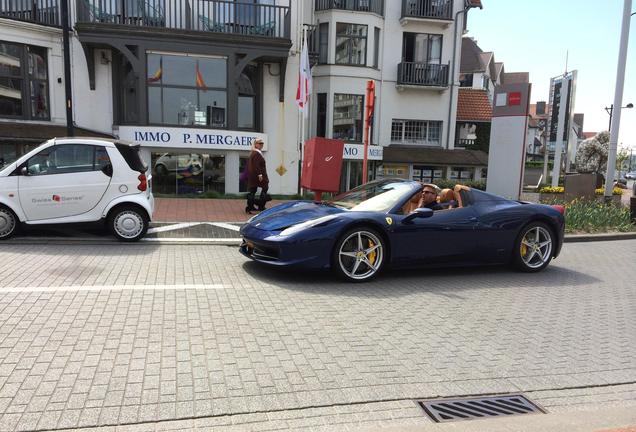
{"x": 428, "y": 198}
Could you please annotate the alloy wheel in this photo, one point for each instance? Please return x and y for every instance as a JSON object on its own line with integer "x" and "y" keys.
{"x": 536, "y": 247}
{"x": 361, "y": 255}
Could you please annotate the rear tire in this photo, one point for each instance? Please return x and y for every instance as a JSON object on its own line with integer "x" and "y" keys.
{"x": 359, "y": 255}
{"x": 8, "y": 223}
{"x": 534, "y": 248}
{"x": 128, "y": 223}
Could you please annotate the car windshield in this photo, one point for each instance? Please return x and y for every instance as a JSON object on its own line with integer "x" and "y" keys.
{"x": 379, "y": 195}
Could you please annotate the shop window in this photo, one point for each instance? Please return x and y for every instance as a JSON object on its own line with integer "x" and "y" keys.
{"x": 187, "y": 90}
{"x": 242, "y": 168}
{"x": 348, "y": 111}
{"x": 188, "y": 173}
{"x": 460, "y": 174}
{"x": 393, "y": 170}
{"x": 427, "y": 174}
{"x": 24, "y": 89}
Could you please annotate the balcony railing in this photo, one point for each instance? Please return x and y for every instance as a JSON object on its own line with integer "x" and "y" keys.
{"x": 435, "y": 9}
{"x": 45, "y": 12}
{"x": 215, "y": 16}
{"x": 422, "y": 74}
{"x": 374, "y": 6}
{"x": 464, "y": 142}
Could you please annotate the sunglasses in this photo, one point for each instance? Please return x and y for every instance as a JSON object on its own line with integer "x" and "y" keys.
{"x": 429, "y": 192}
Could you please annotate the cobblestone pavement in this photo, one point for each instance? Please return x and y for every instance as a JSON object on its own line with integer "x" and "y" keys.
{"x": 197, "y": 337}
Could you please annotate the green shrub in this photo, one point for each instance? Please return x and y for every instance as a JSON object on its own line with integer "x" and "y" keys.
{"x": 594, "y": 216}
{"x": 538, "y": 164}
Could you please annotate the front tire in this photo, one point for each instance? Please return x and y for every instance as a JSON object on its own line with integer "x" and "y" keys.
{"x": 534, "y": 248}
{"x": 128, "y": 223}
{"x": 359, "y": 255}
{"x": 8, "y": 223}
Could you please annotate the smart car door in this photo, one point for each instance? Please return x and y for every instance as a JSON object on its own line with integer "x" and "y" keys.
{"x": 446, "y": 237}
{"x": 63, "y": 180}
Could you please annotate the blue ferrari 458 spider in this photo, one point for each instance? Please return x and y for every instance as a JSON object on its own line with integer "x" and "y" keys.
{"x": 378, "y": 224}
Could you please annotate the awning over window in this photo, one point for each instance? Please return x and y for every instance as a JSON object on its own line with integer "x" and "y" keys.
{"x": 435, "y": 156}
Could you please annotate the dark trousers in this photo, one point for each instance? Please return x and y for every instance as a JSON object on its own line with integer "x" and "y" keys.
{"x": 251, "y": 197}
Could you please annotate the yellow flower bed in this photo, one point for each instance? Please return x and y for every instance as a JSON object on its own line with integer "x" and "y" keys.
{"x": 550, "y": 189}
{"x": 561, "y": 189}
{"x": 615, "y": 191}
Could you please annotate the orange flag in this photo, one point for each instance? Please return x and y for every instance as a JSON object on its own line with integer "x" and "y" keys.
{"x": 199, "y": 79}
{"x": 157, "y": 75}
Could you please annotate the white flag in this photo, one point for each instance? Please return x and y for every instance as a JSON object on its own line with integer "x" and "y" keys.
{"x": 304, "y": 80}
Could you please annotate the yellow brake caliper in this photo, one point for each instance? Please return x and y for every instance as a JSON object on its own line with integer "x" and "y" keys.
{"x": 372, "y": 254}
{"x": 524, "y": 248}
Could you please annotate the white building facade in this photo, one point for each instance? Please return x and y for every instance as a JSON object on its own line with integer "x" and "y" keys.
{"x": 411, "y": 49}
{"x": 194, "y": 83}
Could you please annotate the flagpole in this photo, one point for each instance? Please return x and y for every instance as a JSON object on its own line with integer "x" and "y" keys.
{"x": 304, "y": 115}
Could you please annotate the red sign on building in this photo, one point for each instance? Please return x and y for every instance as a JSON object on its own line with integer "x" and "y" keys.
{"x": 514, "y": 98}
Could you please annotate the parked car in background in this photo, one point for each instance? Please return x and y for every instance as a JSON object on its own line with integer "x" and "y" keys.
{"x": 78, "y": 180}
{"x": 631, "y": 175}
{"x": 190, "y": 164}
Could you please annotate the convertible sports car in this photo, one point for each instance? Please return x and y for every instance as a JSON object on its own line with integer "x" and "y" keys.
{"x": 374, "y": 225}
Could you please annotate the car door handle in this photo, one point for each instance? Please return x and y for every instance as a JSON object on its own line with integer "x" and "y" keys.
{"x": 473, "y": 219}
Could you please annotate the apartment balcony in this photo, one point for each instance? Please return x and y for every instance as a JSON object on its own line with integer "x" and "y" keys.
{"x": 45, "y": 12}
{"x": 232, "y": 18}
{"x": 422, "y": 75}
{"x": 438, "y": 12}
{"x": 372, "y": 6}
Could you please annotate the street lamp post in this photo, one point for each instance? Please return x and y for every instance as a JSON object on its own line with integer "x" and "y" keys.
{"x": 618, "y": 99}
{"x": 610, "y": 111}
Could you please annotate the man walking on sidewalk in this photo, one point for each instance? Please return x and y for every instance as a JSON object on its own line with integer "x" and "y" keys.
{"x": 256, "y": 177}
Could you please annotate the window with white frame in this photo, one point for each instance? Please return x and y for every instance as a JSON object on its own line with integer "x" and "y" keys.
{"x": 424, "y": 132}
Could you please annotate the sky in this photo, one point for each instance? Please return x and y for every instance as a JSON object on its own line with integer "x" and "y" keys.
{"x": 536, "y": 36}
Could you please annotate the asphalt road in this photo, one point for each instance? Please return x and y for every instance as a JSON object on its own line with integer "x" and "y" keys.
{"x": 160, "y": 337}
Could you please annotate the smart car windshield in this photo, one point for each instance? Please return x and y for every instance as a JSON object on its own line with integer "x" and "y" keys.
{"x": 379, "y": 195}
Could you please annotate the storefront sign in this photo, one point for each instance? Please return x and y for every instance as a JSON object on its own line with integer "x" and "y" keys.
{"x": 356, "y": 151}
{"x": 187, "y": 138}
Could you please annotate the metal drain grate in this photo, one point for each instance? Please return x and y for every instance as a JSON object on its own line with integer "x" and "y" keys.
{"x": 447, "y": 410}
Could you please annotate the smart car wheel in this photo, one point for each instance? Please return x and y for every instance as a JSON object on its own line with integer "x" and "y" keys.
{"x": 534, "y": 247}
{"x": 359, "y": 255}
{"x": 8, "y": 223}
{"x": 128, "y": 223}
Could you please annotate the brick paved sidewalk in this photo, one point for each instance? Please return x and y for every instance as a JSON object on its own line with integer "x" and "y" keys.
{"x": 201, "y": 210}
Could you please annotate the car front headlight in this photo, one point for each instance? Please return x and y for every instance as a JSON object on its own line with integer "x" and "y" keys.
{"x": 308, "y": 224}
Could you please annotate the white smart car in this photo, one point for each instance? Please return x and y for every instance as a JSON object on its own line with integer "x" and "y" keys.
{"x": 77, "y": 180}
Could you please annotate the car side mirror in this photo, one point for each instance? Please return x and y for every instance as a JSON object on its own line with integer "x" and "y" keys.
{"x": 24, "y": 171}
{"x": 108, "y": 170}
{"x": 418, "y": 213}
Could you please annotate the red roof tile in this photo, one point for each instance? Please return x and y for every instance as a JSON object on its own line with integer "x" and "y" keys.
{"x": 473, "y": 105}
